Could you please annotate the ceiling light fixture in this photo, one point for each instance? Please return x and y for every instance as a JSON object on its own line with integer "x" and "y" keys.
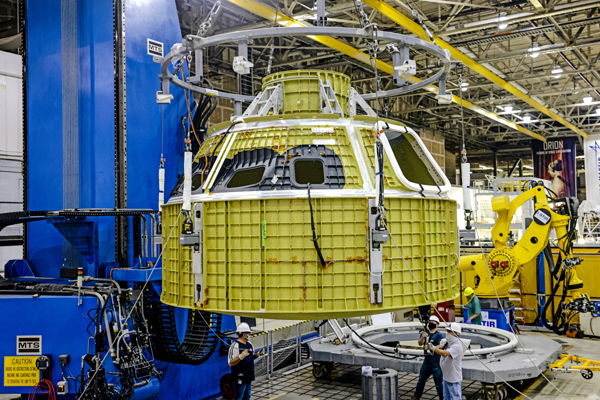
{"x": 502, "y": 23}
{"x": 526, "y": 119}
{"x": 534, "y": 50}
{"x": 557, "y": 71}
{"x": 598, "y": 111}
{"x": 508, "y": 108}
{"x": 588, "y": 98}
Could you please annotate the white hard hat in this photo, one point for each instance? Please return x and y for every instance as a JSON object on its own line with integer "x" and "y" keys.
{"x": 455, "y": 327}
{"x": 434, "y": 318}
{"x": 243, "y": 327}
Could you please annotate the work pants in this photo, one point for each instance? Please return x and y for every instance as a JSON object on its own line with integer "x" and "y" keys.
{"x": 426, "y": 371}
{"x": 452, "y": 390}
{"x": 242, "y": 392}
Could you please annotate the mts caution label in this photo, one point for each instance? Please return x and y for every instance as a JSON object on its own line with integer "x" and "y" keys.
{"x": 20, "y": 371}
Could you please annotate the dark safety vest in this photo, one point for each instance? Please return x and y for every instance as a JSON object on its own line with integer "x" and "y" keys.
{"x": 244, "y": 370}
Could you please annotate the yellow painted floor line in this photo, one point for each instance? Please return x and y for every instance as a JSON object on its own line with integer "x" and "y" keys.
{"x": 533, "y": 385}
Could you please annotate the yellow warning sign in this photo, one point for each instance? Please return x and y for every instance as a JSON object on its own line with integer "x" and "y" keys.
{"x": 20, "y": 371}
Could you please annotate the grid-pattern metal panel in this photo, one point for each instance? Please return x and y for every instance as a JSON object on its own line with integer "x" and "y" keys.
{"x": 176, "y": 262}
{"x": 259, "y": 256}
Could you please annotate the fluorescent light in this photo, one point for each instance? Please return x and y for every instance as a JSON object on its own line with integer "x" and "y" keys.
{"x": 464, "y": 88}
{"x": 508, "y": 108}
{"x": 557, "y": 71}
{"x": 526, "y": 118}
{"x": 527, "y": 166}
{"x": 464, "y": 84}
{"x": 498, "y": 169}
{"x": 588, "y": 98}
{"x": 598, "y": 111}
{"x": 580, "y": 157}
{"x": 502, "y": 24}
{"x": 484, "y": 167}
{"x": 534, "y": 50}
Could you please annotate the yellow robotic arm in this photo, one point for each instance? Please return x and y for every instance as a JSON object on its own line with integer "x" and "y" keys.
{"x": 504, "y": 262}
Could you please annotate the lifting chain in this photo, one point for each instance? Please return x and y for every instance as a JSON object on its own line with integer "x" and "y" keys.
{"x": 206, "y": 24}
{"x": 459, "y": 71}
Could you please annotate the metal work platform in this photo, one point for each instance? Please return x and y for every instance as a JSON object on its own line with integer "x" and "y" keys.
{"x": 512, "y": 366}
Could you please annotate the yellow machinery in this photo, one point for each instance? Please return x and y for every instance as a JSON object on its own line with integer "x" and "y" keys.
{"x": 586, "y": 368}
{"x": 288, "y": 218}
{"x": 498, "y": 269}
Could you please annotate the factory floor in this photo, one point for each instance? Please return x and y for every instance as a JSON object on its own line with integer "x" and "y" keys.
{"x": 345, "y": 383}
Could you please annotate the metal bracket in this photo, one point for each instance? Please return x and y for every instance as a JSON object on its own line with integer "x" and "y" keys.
{"x": 270, "y": 99}
{"x": 399, "y": 56}
{"x": 197, "y": 267}
{"x": 337, "y": 329}
{"x": 321, "y": 17}
{"x": 376, "y": 240}
{"x": 356, "y": 99}
{"x": 328, "y": 101}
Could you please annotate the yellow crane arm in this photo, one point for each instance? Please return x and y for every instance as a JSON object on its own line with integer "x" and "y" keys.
{"x": 504, "y": 262}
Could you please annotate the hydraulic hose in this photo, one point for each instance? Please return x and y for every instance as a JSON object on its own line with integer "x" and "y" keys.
{"x": 555, "y": 327}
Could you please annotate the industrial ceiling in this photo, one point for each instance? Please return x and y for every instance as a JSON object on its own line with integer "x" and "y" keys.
{"x": 540, "y": 57}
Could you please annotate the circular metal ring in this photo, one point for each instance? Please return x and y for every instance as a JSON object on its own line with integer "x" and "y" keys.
{"x": 510, "y": 338}
{"x": 192, "y": 42}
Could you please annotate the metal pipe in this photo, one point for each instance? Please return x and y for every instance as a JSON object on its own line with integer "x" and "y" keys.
{"x": 101, "y": 300}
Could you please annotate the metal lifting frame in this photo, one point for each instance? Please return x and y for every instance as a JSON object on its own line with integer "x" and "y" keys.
{"x": 356, "y": 99}
{"x": 271, "y": 99}
{"x": 282, "y": 20}
{"x": 327, "y": 97}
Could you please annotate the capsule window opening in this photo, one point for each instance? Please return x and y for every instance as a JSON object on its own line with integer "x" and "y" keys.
{"x": 246, "y": 177}
{"x": 309, "y": 171}
{"x": 414, "y": 165}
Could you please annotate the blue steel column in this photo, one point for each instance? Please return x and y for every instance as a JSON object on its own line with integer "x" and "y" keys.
{"x": 48, "y": 148}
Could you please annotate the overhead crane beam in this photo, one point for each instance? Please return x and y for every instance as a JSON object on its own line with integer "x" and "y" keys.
{"x": 269, "y": 13}
{"x": 402, "y": 20}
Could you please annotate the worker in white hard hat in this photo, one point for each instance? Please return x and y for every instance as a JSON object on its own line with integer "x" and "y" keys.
{"x": 241, "y": 360}
{"x": 451, "y": 349}
{"x": 431, "y": 364}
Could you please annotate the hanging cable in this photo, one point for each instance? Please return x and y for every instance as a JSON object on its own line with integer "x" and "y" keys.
{"x": 465, "y": 167}
{"x": 314, "y": 232}
{"x": 149, "y": 277}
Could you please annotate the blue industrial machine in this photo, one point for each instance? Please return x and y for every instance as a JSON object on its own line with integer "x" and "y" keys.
{"x": 82, "y": 309}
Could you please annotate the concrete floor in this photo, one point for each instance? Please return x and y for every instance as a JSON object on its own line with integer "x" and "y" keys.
{"x": 572, "y": 385}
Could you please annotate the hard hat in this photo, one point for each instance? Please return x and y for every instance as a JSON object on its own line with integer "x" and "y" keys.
{"x": 455, "y": 327}
{"x": 243, "y": 327}
{"x": 435, "y": 319}
{"x": 468, "y": 291}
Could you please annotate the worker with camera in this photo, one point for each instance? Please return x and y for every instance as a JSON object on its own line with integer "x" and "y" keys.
{"x": 431, "y": 364}
{"x": 241, "y": 360}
